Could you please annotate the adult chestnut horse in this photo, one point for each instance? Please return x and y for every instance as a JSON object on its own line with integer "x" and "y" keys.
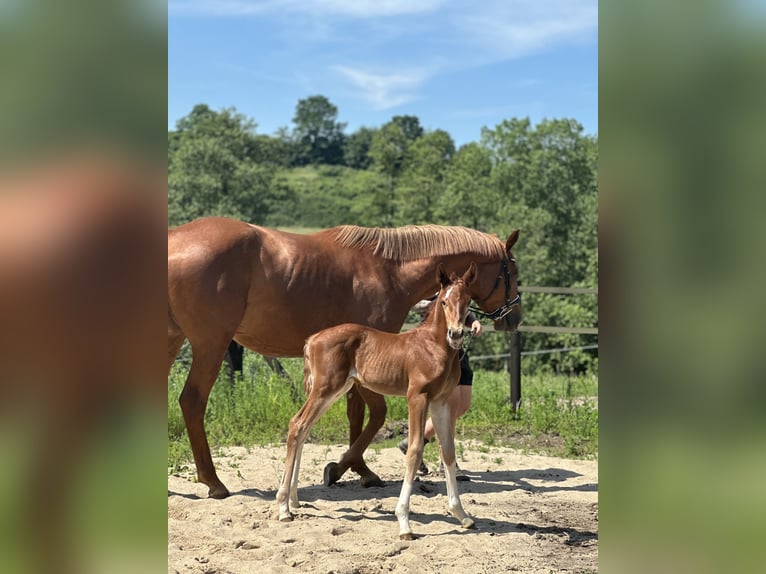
{"x": 270, "y": 290}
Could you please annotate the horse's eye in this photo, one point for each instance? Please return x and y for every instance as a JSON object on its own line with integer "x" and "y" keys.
{"x": 444, "y": 303}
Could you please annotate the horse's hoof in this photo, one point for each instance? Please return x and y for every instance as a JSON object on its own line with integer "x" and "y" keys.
{"x": 286, "y": 518}
{"x": 467, "y": 523}
{"x": 331, "y": 473}
{"x": 218, "y": 492}
{"x": 372, "y": 480}
{"x": 407, "y": 536}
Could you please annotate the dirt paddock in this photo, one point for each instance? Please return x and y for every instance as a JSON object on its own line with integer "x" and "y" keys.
{"x": 534, "y": 514}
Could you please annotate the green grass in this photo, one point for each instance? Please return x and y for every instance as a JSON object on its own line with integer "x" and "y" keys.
{"x": 559, "y": 414}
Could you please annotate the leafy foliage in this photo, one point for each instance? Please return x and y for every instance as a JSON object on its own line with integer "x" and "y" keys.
{"x": 540, "y": 178}
{"x": 317, "y": 136}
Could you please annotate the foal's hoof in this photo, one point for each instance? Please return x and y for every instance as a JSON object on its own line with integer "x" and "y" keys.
{"x": 331, "y": 473}
{"x": 286, "y": 518}
{"x": 467, "y": 523}
{"x": 372, "y": 480}
{"x": 218, "y": 492}
{"x": 407, "y": 536}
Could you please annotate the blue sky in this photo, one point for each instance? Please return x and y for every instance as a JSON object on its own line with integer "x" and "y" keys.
{"x": 458, "y": 65}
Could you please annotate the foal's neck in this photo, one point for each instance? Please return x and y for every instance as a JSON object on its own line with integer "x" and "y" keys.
{"x": 435, "y": 324}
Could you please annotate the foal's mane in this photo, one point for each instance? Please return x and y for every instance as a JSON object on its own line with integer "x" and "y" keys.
{"x": 418, "y": 241}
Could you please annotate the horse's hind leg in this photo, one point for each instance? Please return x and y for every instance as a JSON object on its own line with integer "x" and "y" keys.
{"x": 176, "y": 338}
{"x": 202, "y": 375}
{"x": 359, "y": 438}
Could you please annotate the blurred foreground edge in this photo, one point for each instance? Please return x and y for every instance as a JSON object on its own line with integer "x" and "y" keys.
{"x": 82, "y": 285}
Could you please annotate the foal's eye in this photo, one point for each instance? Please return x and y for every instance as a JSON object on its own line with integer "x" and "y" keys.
{"x": 444, "y": 303}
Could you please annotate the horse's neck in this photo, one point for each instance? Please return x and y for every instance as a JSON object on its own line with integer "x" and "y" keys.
{"x": 420, "y": 275}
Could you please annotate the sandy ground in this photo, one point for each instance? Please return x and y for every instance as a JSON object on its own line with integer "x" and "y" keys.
{"x": 534, "y": 514}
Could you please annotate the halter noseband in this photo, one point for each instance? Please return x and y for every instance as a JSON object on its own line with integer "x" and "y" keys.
{"x": 506, "y": 308}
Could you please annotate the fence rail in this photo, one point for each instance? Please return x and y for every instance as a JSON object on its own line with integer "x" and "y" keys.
{"x": 559, "y": 330}
{"x": 538, "y": 352}
{"x": 559, "y": 290}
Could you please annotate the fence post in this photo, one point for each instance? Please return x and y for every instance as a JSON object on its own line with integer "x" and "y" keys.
{"x": 515, "y": 363}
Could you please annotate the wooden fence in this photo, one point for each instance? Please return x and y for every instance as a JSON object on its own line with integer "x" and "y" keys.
{"x": 514, "y": 339}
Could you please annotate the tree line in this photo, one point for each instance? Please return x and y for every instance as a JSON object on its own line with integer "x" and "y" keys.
{"x": 540, "y": 178}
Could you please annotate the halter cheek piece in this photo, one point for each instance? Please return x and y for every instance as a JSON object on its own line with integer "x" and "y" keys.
{"x": 506, "y": 308}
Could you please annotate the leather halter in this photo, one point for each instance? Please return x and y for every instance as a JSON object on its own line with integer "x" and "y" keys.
{"x": 506, "y": 308}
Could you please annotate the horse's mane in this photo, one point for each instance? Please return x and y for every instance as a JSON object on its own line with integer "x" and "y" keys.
{"x": 417, "y": 241}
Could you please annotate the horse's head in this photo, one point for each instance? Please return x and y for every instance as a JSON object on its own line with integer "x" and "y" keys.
{"x": 496, "y": 290}
{"x": 454, "y": 299}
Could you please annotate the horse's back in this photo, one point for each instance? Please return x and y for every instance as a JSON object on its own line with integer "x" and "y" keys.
{"x": 210, "y": 234}
{"x": 209, "y": 270}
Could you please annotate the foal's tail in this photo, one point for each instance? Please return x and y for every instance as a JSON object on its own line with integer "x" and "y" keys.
{"x": 308, "y": 380}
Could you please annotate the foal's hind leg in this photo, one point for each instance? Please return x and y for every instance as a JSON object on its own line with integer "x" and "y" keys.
{"x": 202, "y": 375}
{"x": 440, "y": 415}
{"x": 359, "y": 439}
{"x": 324, "y": 392}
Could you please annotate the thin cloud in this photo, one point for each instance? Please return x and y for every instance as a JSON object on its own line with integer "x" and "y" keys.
{"x": 513, "y": 29}
{"x": 349, "y": 8}
{"x": 441, "y": 36}
{"x": 384, "y": 91}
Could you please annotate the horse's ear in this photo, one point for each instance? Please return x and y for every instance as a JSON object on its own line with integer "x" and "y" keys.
{"x": 441, "y": 275}
{"x": 511, "y": 241}
{"x": 470, "y": 275}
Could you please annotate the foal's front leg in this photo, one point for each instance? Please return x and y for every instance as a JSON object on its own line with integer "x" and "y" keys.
{"x": 440, "y": 415}
{"x": 418, "y": 408}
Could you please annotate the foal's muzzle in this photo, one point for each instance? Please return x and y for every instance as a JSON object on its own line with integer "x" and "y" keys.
{"x": 455, "y": 337}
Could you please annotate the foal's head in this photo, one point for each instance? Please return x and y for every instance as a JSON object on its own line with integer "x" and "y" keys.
{"x": 453, "y": 299}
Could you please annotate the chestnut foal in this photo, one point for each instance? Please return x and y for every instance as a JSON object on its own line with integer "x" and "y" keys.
{"x": 421, "y": 364}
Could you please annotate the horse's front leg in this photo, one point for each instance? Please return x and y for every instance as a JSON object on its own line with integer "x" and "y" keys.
{"x": 206, "y": 364}
{"x": 418, "y": 410}
{"x": 359, "y": 438}
{"x": 445, "y": 431}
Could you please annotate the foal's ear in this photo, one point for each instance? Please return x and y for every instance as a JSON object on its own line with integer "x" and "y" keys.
{"x": 441, "y": 275}
{"x": 511, "y": 241}
{"x": 470, "y": 275}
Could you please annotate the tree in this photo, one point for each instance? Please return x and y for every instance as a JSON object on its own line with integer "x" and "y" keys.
{"x": 271, "y": 150}
{"x": 422, "y": 179}
{"x": 550, "y": 167}
{"x": 545, "y": 178}
{"x": 468, "y": 197}
{"x": 212, "y": 170}
{"x": 356, "y": 152}
{"x": 317, "y": 134}
{"x": 367, "y": 196}
{"x": 410, "y": 126}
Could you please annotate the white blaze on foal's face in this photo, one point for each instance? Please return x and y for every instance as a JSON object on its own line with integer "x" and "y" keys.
{"x": 453, "y": 314}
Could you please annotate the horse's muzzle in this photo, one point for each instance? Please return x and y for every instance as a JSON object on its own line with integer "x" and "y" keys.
{"x": 511, "y": 321}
